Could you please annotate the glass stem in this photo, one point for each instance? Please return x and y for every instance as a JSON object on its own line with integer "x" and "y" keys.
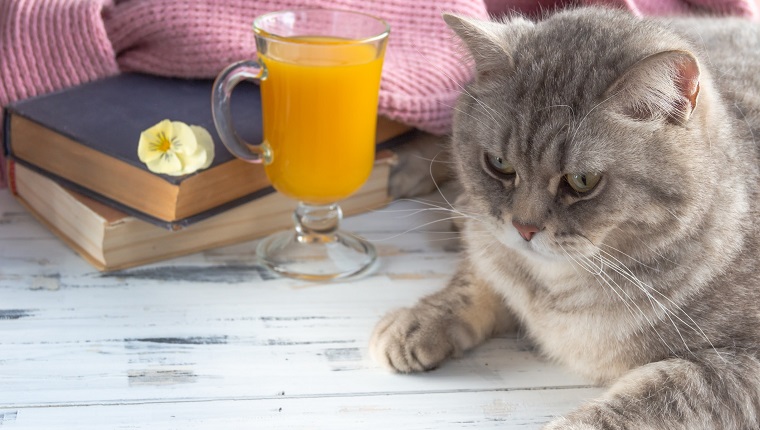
{"x": 317, "y": 223}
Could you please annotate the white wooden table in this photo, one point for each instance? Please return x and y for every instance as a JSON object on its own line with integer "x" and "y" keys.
{"x": 213, "y": 341}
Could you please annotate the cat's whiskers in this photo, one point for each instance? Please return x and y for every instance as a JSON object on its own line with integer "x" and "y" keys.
{"x": 626, "y": 255}
{"x": 578, "y": 127}
{"x": 724, "y": 71}
{"x": 607, "y": 278}
{"x": 695, "y": 327}
{"x": 655, "y": 305}
{"x": 619, "y": 267}
{"x": 412, "y": 212}
{"x": 590, "y": 267}
{"x": 749, "y": 126}
{"x": 569, "y": 124}
{"x": 482, "y": 107}
{"x": 643, "y": 314}
{"x": 676, "y": 216}
{"x": 486, "y": 109}
{"x": 432, "y": 205}
{"x": 415, "y": 228}
{"x": 437, "y": 187}
{"x": 433, "y": 208}
{"x": 587, "y": 265}
{"x": 458, "y": 235}
{"x": 658, "y": 252}
{"x": 470, "y": 115}
{"x": 559, "y": 105}
{"x": 433, "y": 160}
{"x": 461, "y": 87}
{"x": 651, "y": 249}
{"x": 420, "y": 200}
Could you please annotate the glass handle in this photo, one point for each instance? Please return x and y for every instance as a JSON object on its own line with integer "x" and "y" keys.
{"x": 220, "y": 109}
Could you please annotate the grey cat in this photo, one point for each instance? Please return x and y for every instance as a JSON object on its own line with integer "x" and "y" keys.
{"x": 610, "y": 169}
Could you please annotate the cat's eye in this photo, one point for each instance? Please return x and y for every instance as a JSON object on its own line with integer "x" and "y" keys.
{"x": 499, "y": 165}
{"x": 583, "y": 182}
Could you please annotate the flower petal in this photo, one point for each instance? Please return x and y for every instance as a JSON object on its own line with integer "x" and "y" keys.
{"x": 175, "y": 148}
{"x": 168, "y": 164}
{"x": 165, "y": 126}
{"x": 192, "y": 162}
{"x": 204, "y": 139}
{"x": 147, "y": 149}
{"x": 183, "y": 139}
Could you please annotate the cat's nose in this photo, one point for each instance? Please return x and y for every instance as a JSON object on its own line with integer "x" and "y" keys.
{"x": 526, "y": 230}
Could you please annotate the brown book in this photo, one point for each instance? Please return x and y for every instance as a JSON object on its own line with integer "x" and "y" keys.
{"x": 87, "y": 135}
{"x": 111, "y": 240}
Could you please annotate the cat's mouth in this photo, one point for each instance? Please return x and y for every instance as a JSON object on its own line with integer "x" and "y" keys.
{"x": 543, "y": 243}
{"x": 530, "y": 242}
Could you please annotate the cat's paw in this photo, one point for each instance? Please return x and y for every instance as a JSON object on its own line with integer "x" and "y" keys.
{"x": 417, "y": 339}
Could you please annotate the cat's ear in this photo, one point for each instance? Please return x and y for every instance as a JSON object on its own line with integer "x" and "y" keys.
{"x": 490, "y": 43}
{"x": 663, "y": 86}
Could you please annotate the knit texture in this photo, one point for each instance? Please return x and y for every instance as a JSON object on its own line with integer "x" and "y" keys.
{"x": 50, "y": 45}
{"x": 47, "y": 45}
{"x": 422, "y": 64}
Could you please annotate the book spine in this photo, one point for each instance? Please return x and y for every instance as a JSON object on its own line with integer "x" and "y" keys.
{"x": 11, "y": 176}
{"x": 4, "y": 148}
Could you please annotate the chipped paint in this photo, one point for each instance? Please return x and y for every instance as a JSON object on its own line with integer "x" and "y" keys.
{"x": 141, "y": 377}
{"x": 227, "y": 274}
{"x": 14, "y": 314}
{"x": 7, "y": 417}
{"x": 283, "y": 342}
{"x": 415, "y": 276}
{"x": 498, "y": 409}
{"x": 7, "y": 218}
{"x": 212, "y": 340}
{"x": 297, "y": 318}
{"x": 46, "y": 282}
{"x": 362, "y": 409}
{"x": 343, "y": 354}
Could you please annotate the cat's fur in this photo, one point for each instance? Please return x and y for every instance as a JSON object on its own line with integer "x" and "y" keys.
{"x": 649, "y": 282}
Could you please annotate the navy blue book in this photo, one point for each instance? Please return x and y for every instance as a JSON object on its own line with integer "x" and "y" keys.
{"x": 85, "y": 137}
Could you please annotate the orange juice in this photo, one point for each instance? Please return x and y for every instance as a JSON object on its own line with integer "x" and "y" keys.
{"x": 320, "y": 108}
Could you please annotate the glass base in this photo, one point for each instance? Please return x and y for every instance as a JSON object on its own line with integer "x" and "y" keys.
{"x": 316, "y": 250}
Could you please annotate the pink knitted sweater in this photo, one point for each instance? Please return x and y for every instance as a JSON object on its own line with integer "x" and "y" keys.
{"x": 46, "y": 45}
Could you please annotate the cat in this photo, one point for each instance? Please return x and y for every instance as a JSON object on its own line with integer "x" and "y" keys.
{"x": 610, "y": 174}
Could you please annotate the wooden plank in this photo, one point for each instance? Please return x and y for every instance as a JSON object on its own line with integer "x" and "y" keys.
{"x": 481, "y": 410}
{"x": 147, "y": 338}
{"x": 212, "y": 339}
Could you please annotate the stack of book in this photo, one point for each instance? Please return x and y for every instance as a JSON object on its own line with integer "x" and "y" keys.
{"x": 72, "y": 162}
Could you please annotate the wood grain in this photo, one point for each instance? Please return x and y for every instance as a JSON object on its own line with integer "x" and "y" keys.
{"x": 213, "y": 340}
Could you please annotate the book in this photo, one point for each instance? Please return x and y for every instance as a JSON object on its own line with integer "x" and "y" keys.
{"x": 110, "y": 239}
{"x": 87, "y": 135}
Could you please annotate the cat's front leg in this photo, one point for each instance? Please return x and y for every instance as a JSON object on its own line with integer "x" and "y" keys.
{"x": 711, "y": 389}
{"x": 441, "y": 325}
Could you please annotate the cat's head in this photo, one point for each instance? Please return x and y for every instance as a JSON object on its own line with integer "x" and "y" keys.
{"x": 585, "y": 130}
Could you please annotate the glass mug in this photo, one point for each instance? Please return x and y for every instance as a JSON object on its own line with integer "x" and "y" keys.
{"x": 319, "y": 72}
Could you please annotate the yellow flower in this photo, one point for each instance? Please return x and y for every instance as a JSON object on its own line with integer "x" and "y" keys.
{"x": 175, "y": 148}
